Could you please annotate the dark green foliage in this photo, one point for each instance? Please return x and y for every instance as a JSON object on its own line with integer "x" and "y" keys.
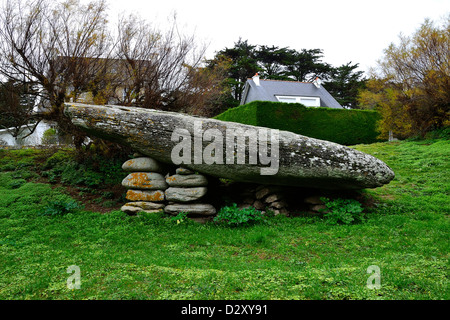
{"x": 344, "y": 211}
{"x": 17, "y": 183}
{"x": 345, "y": 84}
{"x": 343, "y": 126}
{"x": 60, "y": 208}
{"x": 244, "y": 65}
{"x": 233, "y": 216}
{"x": 443, "y": 133}
{"x": 91, "y": 172}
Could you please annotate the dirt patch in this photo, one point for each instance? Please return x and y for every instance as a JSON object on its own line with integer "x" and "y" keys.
{"x": 95, "y": 202}
{"x": 110, "y": 198}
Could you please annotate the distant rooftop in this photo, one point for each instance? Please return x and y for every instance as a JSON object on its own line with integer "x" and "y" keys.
{"x": 269, "y": 90}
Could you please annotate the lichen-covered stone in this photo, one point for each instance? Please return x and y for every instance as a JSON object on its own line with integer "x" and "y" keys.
{"x": 303, "y": 161}
{"x": 142, "y": 164}
{"x": 132, "y": 210}
{"x": 139, "y": 195}
{"x": 145, "y": 180}
{"x": 190, "y": 208}
{"x": 176, "y": 194}
{"x": 146, "y": 205}
{"x": 191, "y": 180}
{"x": 184, "y": 171}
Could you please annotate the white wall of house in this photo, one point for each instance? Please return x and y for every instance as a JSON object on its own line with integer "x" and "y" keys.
{"x": 33, "y": 140}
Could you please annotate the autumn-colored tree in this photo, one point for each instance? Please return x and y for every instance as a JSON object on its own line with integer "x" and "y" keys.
{"x": 208, "y": 88}
{"x": 384, "y": 97}
{"x": 415, "y": 74}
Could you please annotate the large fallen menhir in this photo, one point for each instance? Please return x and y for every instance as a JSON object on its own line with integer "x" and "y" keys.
{"x": 221, "y": 149}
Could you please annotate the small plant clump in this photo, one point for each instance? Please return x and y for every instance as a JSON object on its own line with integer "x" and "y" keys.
{"x": 179, "y": 218}
{"x": 233, "y": 216}
{"x": 344, "y": 211}
{"x": 60, "y": 208}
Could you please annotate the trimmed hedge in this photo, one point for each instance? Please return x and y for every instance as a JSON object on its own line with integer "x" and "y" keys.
{"x": 343, "y": 126}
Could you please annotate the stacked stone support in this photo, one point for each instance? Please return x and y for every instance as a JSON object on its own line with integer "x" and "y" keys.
{"x": 151, "y": 190}
{"x": 185, "y": 194}
{"x": 146, "y": 186}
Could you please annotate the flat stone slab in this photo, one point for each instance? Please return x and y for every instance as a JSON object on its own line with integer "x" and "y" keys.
{"x": 139, "y": 195}
{"x": 132, "y": 210}
{"x": 300, "y": 161}
{"x": 191, "y": 209}
{"x": 146, "y": 205}
{"x": 145, "y": 180}
{"x": 142, "y": 164}
{"x": 184, "y": 171}
{"x": 191, "y": 180}
{"x": 176, "y": 194}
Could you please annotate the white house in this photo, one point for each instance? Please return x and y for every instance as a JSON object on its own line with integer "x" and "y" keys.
{"x": 6, "y": 139}
{"x": 310, "y": 94}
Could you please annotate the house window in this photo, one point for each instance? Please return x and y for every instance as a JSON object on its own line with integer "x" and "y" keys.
{"x": 307, "y": 101}
{"x": 287, "y": 99}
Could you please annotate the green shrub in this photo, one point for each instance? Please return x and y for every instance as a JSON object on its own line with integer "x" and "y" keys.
{"x": 108, "y": 195}
{"x": 233, "y": 216}
{"x": 8, "y": 167}
{"x": 60, "y": 208}
{"x": 109, "y": 204}
{"x": 91, "y": 172}
{"x": 58, "y": 158}
{"x": 343, "y": 126}
{"x": 344, "y": 211}
{"x": 17, "y": 183}
{"x": 50, "y": 136}
{"x": 443, "y": 133}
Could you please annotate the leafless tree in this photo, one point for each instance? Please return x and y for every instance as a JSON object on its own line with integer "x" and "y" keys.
{"x": 161, "y": 69}
{"x": 67, "y": 49}
{"x": 52, "y": 46}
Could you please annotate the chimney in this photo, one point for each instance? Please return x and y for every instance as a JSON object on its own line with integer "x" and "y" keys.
{"x": 317, "y": 82}
{"x": 256, "y": 79}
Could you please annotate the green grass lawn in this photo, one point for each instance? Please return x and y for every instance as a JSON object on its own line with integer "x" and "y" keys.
{"x": 406, "y": 234}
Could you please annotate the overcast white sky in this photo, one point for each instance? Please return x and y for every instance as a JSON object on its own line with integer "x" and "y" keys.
{"x": 347, "y": 30}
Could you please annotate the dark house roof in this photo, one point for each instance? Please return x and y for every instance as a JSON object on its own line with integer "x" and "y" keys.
{"x": 268, "y": 90}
